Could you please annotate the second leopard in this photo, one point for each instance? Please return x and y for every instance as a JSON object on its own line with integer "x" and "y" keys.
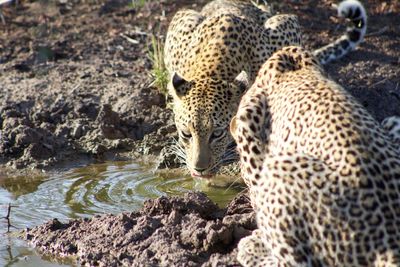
{"x": 212, "y": 58}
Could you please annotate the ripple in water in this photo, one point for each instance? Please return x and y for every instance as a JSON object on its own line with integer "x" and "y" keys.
{"x": 110, "y": 187}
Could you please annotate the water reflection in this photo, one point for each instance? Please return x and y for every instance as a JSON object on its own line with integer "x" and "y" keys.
{"x": 15, "y": 253}
{"x": 110, "y": 187}
{"x": 21, "y": 185}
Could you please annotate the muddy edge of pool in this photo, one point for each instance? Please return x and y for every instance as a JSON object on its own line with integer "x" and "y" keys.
{"x": 173, "y": 231}
{"x": 74, "y": 89}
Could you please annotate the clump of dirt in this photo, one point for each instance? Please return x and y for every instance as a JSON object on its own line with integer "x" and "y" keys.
{"x": 175, "y": 231}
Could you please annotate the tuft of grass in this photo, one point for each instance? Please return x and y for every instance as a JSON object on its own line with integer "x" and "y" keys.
{"x": 137, "y": 3}
{"x": 159, "y": 71}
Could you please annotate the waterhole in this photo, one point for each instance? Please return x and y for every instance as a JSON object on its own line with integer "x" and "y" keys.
{"x": 110, "y": 187}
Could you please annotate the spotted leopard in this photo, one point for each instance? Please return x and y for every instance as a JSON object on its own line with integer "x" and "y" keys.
{"x": 324, "y": 176}
{"x": 214, "y": 55}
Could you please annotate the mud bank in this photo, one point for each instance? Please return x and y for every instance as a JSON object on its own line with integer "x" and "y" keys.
{"x": 174, "y": 231}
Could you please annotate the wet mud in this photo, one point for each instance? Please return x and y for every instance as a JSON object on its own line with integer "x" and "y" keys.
{"x": 175, "y": 231}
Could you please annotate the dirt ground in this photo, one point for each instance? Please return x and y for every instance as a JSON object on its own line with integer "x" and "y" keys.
{"x": 75, "y": 82}
{"x": 187, "y": 231}
{"x": 75, "y": 87}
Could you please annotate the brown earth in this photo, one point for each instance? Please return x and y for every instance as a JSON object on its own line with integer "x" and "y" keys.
{"x": 188, "y": 231}
{"x": 73, "y": 86}
{"x": 75, "y": 89}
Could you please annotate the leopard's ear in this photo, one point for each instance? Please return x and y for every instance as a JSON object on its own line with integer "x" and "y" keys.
{"x": 232, "y": 127}
{"x": 179, "y": 85}
{"x": 241, "y": 82}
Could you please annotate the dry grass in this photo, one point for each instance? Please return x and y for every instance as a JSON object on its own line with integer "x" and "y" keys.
{"x": 158, "y": 71}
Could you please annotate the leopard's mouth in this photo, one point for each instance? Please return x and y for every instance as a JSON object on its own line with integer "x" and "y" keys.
{"x": 204, "y": 176}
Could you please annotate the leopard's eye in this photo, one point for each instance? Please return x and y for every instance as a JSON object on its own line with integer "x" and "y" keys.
{"x": 185, "y": 135}
{"x": 217, "y": 134}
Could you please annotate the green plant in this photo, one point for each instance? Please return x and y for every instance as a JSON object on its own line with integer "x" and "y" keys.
{"x": 137, "y": 3}
{"x": 158, "y": 71}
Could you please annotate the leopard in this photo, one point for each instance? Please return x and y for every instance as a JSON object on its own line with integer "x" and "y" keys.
{"x": 323, "y": 174}
{"x": 213, "y": 56}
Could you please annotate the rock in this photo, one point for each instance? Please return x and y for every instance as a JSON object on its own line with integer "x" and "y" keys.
{"x": 26, "y": 135}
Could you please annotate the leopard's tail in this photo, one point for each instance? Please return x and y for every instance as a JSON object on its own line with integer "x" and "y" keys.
{"x": 392, "y": 126}
{"x": 355, "y": 12}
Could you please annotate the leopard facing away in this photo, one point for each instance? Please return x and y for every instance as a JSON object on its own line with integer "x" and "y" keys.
{"x": 213, "y": 57}
{"x": 324, "y": 176}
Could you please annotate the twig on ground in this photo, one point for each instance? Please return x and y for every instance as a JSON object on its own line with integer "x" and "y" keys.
{"x": 7, "y": 217}
{"x": 2, "y": 18}
{"x": 381, "y": 81}
{"x": 379, "y": 32}
{"x": 132, "y": 41}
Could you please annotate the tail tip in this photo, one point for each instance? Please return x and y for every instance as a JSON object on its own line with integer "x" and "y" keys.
{"x": 352, "y": 9}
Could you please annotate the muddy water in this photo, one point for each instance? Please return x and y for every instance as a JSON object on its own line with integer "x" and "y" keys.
{"x": 110, "y": 187}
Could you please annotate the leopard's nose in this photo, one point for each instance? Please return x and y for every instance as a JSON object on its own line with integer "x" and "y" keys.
{"x": 200, "y": 170}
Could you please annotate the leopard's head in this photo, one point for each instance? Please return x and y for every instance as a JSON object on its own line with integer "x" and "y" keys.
{"x": 203, "y": 108}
